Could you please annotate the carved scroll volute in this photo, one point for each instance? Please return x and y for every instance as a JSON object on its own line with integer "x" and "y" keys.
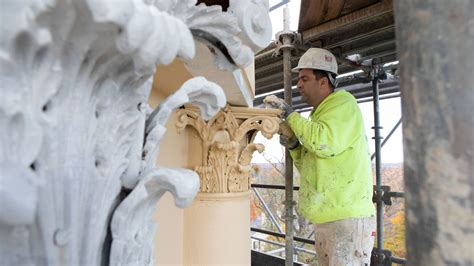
{"x": 226, "y": 151}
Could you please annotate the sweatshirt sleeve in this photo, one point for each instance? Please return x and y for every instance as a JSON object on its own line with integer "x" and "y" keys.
{"x": 334, "y": 131}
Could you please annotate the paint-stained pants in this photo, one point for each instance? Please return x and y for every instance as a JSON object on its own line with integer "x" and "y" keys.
{"x": 345, "y": 242}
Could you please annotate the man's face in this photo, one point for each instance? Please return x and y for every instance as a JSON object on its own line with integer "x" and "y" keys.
{"x": 309, "y": 87}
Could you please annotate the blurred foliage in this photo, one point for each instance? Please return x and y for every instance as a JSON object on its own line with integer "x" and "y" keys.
{"x": 395, "y": 237}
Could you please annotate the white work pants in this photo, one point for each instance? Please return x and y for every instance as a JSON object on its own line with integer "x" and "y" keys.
{"x": 345, "y": 242}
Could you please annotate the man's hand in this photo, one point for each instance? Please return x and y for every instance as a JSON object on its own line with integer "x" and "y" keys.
{"x": 278, "y": 103}
{"x": 289, "y": 142}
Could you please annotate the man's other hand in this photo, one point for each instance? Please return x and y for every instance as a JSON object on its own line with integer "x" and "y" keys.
{"x": 278, "y": 103}
{"x": 289, "y": 142}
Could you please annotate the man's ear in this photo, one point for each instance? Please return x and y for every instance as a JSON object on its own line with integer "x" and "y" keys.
{"x": 324, "y": 81}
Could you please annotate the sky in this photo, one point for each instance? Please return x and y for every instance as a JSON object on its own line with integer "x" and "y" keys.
{"x": 277, "y": 16}
{"x": 390, "y": 109}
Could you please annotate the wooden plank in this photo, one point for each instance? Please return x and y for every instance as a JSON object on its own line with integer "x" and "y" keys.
{"x": 315, "y": 12}
{"x": 357, "y": 17}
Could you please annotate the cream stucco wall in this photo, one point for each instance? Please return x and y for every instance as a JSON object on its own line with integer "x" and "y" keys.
{"x": 169, "y": 236}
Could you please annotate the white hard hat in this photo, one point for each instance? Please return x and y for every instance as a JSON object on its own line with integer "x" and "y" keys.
{"x": 317, "y": 58}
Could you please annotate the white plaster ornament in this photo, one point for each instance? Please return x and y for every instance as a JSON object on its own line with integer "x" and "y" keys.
{"x": 78, "y": 180}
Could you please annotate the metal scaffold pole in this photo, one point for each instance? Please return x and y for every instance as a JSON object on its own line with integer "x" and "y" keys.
{"x": 378, "y": 160}
{"x": 287, "y": 38}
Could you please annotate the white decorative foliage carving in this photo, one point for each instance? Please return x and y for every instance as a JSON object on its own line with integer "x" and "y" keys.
{"x": 132, "y": 230}
{"x": 18, "y": 196}
{"x": 225, "y": 28}
{"x": 75, "y": 77}
{"x": 244, "y": 30}
{"x": 142, "y": 29}
{"x": 254, "y": 22}
{"x": 77, "y": 140}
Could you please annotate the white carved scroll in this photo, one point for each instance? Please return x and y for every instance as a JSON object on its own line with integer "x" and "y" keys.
{"x": 255, "y": 24}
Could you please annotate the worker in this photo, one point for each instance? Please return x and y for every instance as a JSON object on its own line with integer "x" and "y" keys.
{"x": 330, "y": 151}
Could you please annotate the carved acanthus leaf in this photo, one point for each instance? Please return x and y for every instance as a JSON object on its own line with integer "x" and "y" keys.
{"x": 246, "y": 155}
{"x": 224, "y": 120}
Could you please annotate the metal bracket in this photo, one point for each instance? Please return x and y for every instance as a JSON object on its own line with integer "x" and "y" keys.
{"x": 215, "y": 42}
{"x": 378, "y": 71}
{"x": 295, "y": 39}
{"x": 384, "y": 257}
{"x": 293, "y": 205}
{"x": 386, "y": 195}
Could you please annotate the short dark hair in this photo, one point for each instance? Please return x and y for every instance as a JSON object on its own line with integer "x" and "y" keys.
{"x": 319, "y": 74}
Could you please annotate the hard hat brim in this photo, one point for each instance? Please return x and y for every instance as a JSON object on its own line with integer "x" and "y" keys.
{"x": 297, "y": 70}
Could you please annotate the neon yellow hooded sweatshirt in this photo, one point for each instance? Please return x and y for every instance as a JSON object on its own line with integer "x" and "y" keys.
{"x": 333, "y": 160}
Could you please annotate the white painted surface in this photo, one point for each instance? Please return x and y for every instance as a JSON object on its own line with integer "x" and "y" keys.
{"x": 77, "y": 141}
{"x": 75, "y": 78}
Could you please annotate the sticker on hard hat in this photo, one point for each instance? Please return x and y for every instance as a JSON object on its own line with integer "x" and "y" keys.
{"x": 328, "y": 58}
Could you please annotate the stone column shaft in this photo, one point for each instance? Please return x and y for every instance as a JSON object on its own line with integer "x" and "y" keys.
{"x": 434, "y": 42}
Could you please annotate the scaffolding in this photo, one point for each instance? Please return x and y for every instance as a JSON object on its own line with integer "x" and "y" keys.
{"x": 273, "y": 76}
{"x": 434, "y": 41}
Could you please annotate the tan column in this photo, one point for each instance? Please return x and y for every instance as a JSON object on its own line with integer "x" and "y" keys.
{"x": 217, "y": 224}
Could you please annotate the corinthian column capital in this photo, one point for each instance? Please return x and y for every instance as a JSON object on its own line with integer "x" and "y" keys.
{"x": 227, "y": 148}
